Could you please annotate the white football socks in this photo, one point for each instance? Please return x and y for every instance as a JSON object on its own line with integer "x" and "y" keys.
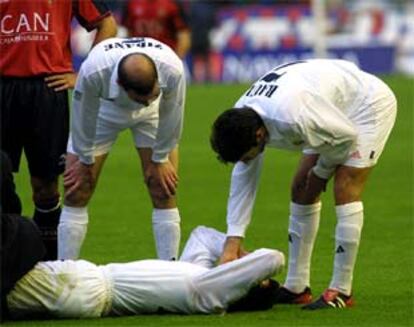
{"x": 347, "y": 235}
{"x": 167, "y": 232}
{"x": 71, "y": 232}
{"x": 303, "y": 227}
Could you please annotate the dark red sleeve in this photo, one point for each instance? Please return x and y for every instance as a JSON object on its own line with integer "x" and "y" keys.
{"x": 126, "y": 20}
{"x": 90, "y": 12}
{"x": 179, "y": 18}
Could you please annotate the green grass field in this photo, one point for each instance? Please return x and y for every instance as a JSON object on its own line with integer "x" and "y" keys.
{"x": 120, "y": 220}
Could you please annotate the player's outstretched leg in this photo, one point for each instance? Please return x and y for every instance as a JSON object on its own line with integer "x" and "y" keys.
{"x": 305, "y": 210}
{"x": 303, "y": 226}
{"x": 349, "y": 184}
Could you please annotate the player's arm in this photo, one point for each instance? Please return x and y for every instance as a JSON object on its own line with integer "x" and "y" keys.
{"x": 171, "y": 110}
{"x": 105, "y": 28}
{"x": 91, "y": 15}
{"x": 244, "y": 180}
{"x": 183, "y": 34}
{"x": 85, "y": 108}
{"x": 183, "y": 43}
{"x": 331, "y": 134}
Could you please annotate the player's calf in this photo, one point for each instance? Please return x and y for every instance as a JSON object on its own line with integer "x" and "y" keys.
{"x": 47, "y": 212}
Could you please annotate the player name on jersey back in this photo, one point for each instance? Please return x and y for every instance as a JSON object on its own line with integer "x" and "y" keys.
{"x": 133, "y": 43}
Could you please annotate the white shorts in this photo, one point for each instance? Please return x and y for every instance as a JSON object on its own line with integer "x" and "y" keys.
{"x": 63, "y": 289}
{"x": 112, "y": 119}
{"x": 374, "y": 120}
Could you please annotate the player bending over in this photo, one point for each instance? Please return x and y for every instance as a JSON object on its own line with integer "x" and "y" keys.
{"x": 340, "y": 118}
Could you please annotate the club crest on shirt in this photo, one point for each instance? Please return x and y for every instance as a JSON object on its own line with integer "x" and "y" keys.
{"x": 355, "y": 155}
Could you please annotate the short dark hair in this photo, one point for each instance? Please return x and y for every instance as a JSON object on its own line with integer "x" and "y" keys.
{"x": 234, "y": 133}
{"x": 141, "y": 86}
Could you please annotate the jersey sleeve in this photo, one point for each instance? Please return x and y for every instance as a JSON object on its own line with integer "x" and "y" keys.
{"x": 90, "y": 12}
{"x": 127, "y": 19}
{"x": 85, "y": 108}
{"x": 243, "y": 187}
{"x": 179, "y": 18}
{"x": 329, "y": 132}
{"x": 171, "y": 112}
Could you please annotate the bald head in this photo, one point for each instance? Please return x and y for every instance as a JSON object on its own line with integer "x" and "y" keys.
{"x": 137, "y": 72}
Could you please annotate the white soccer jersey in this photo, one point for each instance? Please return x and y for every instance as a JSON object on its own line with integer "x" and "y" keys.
{"x": 97, "y": 80}
{"x": 317, "y": 106}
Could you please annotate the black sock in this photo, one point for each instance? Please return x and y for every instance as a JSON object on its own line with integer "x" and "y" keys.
{"x": 46, "y": 216}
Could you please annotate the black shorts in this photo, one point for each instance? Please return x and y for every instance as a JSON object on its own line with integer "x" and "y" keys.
{"x": 34, "y": 118}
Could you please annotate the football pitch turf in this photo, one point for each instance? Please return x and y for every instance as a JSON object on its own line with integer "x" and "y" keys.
{"x": 120, "y": 220}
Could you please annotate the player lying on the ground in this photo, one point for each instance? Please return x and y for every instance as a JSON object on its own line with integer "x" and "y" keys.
{"x": 80, "y": 289}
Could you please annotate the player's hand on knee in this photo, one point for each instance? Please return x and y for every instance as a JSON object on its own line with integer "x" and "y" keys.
{"x": 78, "y": 177}
{"x": 164, "y": 175}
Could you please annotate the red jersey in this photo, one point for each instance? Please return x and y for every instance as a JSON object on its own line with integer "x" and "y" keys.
{"x": 159, "y": 19}
{"x": 35, "y": 34}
